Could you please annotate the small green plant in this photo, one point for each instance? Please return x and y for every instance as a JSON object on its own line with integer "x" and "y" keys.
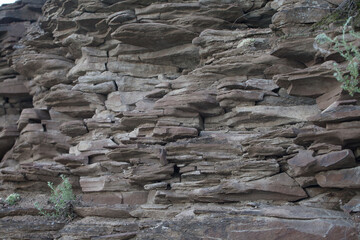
{"x": 12, "y": 199}
{"x": 350, "y": 53}
{"x": 61, "y": 200}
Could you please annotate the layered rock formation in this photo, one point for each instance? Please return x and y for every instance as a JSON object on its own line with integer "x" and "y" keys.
{"x": 176, "y": 120}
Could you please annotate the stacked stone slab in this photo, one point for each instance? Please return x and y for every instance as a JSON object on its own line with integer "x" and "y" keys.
{"x": 178, "y": 120}
{"x": 15, "y": 19}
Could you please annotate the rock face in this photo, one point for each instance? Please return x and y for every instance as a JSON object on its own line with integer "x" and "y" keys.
{"x": 176, "y": 120}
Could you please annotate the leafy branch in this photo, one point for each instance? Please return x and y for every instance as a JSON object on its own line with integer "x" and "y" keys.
{"x": 350, "y": 53}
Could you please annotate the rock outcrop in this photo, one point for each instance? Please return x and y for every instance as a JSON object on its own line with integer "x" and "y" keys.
{"x": 176, "y": 120}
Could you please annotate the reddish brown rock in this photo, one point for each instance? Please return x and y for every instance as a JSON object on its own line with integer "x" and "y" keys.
{"x": 299, "y": 49}
{"x": 108, "y": 198}
{"x": 124, "y": 153}
{"x": 172, "y": 133}
{"x": 158, "y": 36}
{"x": 344, "y": 178}
{"x": 113, "y": 211}
{"x": 104, "y": 184}
{"x": 8, "y": 136}
{"x": 277, "y": 187}
{"x": 333, "y": 199}
{"x": 258, "y": 150}
{"x": 340, "y": 137}
{"x": 166, "y": 104}
{"x": 251, "y": 84}
{"x": 118, "y": 236}
{"x": 353, "y": 206}
{"x": 309, "y": 82}
{"x": 300, "y": 164}
{"x": 100, "y": 228}
{"x": 143, "y": 174}
{"x": 114, "y": 198}
{"x": 249, "y": 117}
{"x": 31, "y": 115}
{"x": 13, "y": 88}
{"x": 70, "y": 160}
{"x": 202, "y": 102}
{"x": 340, "y": 113}
{"x": 73, "y": 128}
{"x": 323, "y": 148}
{"x": 240, "y": 95}
{"x": 337, "y": 96}
{"x": 305, "y": 163}
{"x": 103, "y": 166}
{"x": 263, "y": 223}
{"x": 23, "y": 227}
{"x": 294, "y": 16}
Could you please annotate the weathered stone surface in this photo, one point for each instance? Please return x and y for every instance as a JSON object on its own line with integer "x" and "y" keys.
{"x": 329, "y": 200}
{"x": 104, "y": 183}
{"x": 203, "y": 102}
{"x": 97, "y": 227}
{"x": 342, "y": 136}
{"x": 278, "y": 187}
{"x": 170, "y": 133}
{"x": 309, "y": 82}
{"x": 101, "y": 88}
{"x": 114, "y": 211}
{"x": 305, "y": 164}
{"x": 207, "y": 148}
{"x": 333, "y": 98}
{"x": 31, "y": 65}
{"x": 31, "y": 115}
{"x": 7, "y": 139}
{"x": 181, "y": 56}
{"x": 299, "y": 49}
{"x": 23, "y": 227}
{"x": 295, "y": 15}
{"x": 353, "y": 205}
{"x": 255, "y": 116}
{"x": 113, "y": 198}
{"x": 100, "y": 167}
{"x": 86, "y": 103}
{"x": 152, "y": 173}
{"x": 177, "y": 120}
{"x": 13, "y": 88}
{"x": 344, "y": 178}
{"x": 123, "y": 101}
{"x": 91, "y": 60}
{"x": 73, "y": 128}
{"x": 153, "y": 35}
{"x": 21, "y": 11}
{"x": 265, "y": 223}
{"x": 72, "y": 160}
{"x": 340, "y": 113}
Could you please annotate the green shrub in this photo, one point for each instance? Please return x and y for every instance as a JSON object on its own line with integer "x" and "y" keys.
{"x": 12, "y": 199}
{"x": 62, "y": 199}
{"x": 350, "y": 53}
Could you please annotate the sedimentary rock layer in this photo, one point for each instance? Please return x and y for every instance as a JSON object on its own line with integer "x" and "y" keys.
{"x": 176, "y": 120}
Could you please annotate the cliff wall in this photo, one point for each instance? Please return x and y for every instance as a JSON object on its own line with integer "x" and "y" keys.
{"x": 177, "y": 120}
